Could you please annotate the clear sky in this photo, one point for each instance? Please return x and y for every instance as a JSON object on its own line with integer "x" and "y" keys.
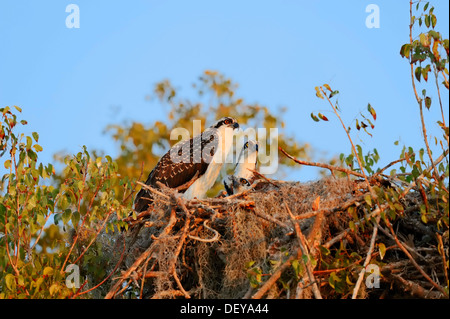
{"x": 71, "y": 83}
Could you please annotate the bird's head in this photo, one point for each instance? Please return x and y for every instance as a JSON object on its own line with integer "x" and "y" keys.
{"x": 234, "y": 184}
{"x": 251, "y": 146}
{"x": 226, "y": 122}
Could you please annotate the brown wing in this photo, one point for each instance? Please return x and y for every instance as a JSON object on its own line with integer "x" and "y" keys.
{"x": 181, "y": 167}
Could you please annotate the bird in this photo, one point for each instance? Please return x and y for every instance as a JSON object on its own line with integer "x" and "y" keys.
{"x": 243, "y": 176}
{"x": 196, "y": 162}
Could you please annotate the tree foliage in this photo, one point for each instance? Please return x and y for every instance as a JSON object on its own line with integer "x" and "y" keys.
{"x": 34, "y": 252}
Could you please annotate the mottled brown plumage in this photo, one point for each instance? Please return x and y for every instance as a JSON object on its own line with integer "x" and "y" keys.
{"x": 182, "y": 162}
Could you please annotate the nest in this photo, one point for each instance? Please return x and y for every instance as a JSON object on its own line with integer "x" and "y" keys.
{"x": 267, "y": 241}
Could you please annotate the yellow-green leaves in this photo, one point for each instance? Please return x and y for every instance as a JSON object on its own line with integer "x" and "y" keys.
{"x": 48, "y": 271}
{"x": 10, "y": 281}
{"x": 318, "y": 93}
{"x": 382, "y": 249}
{"x": 427, "y": 102}
{"x": 405, "y": 50}
{"x": 372, "y": 111}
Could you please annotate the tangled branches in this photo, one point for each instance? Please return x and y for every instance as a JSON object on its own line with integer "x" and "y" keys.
{"x": 281, "y": 240}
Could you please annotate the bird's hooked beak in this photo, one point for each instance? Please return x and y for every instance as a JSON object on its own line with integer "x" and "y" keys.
{"x": 235, "y": 126}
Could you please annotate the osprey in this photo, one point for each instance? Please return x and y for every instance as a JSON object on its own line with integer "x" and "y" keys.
{"x": 200, "y": 159}
{"x": 243, "y": 177}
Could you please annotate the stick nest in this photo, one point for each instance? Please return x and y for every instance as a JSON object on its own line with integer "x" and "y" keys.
{"x": 276, "y": 240}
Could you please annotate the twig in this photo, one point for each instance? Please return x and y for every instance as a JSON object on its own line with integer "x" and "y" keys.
{"x": 327, "y": 166}
{"x": 210, "y": 240}
{"x": 273, "y": 279}
{"x": 424, "y": 274}
{"x": 389, "y": 165}
{"x": 263, "y": 177}
{"x": 134, "y": 187}
{"x": 165, "y": 293}
{"x": 343, "y": 207}
{"x": 368, "y": 258}
{"x": 153, "y": 190}
{"x": 304, "y": 250}
{"x": 439, "y": 96}
{"x": 415, "y": 289}
{"x": 112, "y": 272}
{"x": 272, "y": 219}
{"x": 138, "y": 261}
{"x": 351, "y": 142}
{"x": 441, "y": 251}
{"x": 186, "y": 185}
{"x": 244, "y": 192}
{"x": 411, "y": 250}
{"x": 164, "y": 233}
{"x": 419, "y": 100}
{"x": 94, "y": 238}
{"x": 177, "y": 280}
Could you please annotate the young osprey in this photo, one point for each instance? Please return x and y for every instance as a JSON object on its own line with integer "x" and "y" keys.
{"x": 243, "y": 177}
{"x": 200, "y": 157}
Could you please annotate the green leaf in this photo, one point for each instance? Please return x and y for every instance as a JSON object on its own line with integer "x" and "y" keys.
{"x": 75, "y": 218}
{"x": 424, "y": 40}
{"x": 315, "y": 118}
{"x": 349, "y": 160}
{"x": 37, "y": 148}
{"x": 382, "y": 249}
{"x": 333, "y": 94}
{"x": 98, "y": 161}
{"x": 433, "y": 21}
{"x": 405, "y": 50}
{"x": 56, "y": 218}
{"x": 48, "y": 271}
{"x": 7, "y": 164}
{"x": 66, "y": 216}
{"x": 29, "y": 143}
{"x": 318, "y": 94}
{"x": 323, "y": 117}
{"x": 372, "y": 111}
{"x": 428, "y": 102}
{"x": 32, "y": 155}
{"x": 368, "y": 199}
{"x": 35, "y": 136}
{"x": 418, "y": 73}
{"x": 10, "y": 282}
{"x": 427, "y": 20}
{"x": 63, "y": 203}
{"x": 53, "y": 288}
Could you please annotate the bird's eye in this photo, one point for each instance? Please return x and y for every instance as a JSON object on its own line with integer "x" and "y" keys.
{"x": 244, "y": 181}
{"x": 227, "y": 121}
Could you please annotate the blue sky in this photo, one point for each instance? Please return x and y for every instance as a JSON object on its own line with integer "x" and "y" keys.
{"x": 72, "y": 83}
